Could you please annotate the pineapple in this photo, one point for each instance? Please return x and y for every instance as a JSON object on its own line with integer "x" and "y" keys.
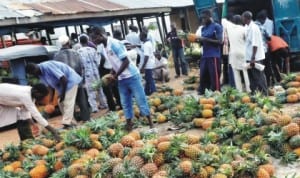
{"x": 115, "y": 149}
{"x": 295, "y": 141}
{"x": 158, "y": 159}
{"x": 202, "y": 173}
{"x": 284, "y": 120}
{"x": 226, "y": 169}
{"x": 192, "y": 152}
{"x": 163, "y": 146}
{"x": 210, "y": 170}
{"x": 262, "y": 173}
{"x": 118, "y": 170}
{"x": 94, "y": 137}
{"x": 198, "y": 122}
{"x": 95, "y": 168}
{"x": 291, "y": 129}
{"x": 137, "y": 162}
{"x": 160, "y": 174}
{"x": 75, "y": 169}
{"x": 59, "y": 146}
{"x": 286, "y": 148}
{"x": 297, "y": 151}
{"x": 47, "y": 142}
{"x": 186, "y": 166}
{"x": 79, "y": 138}
{"x": 296, "y": 120}
{"x": 193, "y": 139}
{"x": 113, "y": 162}
{"x": 11, "y": 153}
{"x": 40, "y": 150}
{"x": 39, "y": 171}
{"x": 138, "y": 143}
{"x": 219, "y": 175}
{"x": 92, "y": 152}
{"x": 164, "y": 138}
{"x": 269, "y": 168}
{"x": 149, "y": 169}
{"x": 8, "y": 168}
{"x": 96, "y": 144}
{"x": 127, "y": 140}
{"x": 135, "y": 134}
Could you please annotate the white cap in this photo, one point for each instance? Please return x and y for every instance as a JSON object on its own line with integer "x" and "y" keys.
{"x": 63, "y": 40}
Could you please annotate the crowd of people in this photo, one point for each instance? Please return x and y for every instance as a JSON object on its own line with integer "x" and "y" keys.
{"x": 251, "y": 54}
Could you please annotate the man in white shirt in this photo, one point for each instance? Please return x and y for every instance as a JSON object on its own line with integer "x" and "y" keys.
{"x": 17, "y": 105}
{"x": 161, "y": 71}
{"x": 254, "y": 54}
{"x": 148, "y": 64}
{"x": 266, "y": 22}
{"x": 236, "y": 36}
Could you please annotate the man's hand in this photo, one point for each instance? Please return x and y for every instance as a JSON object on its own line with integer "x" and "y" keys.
{"x": 112, "y": 78}
{"x": 252, "y": 63}
{"x": 54, "y": 133}
{"x": 142, "y": 70}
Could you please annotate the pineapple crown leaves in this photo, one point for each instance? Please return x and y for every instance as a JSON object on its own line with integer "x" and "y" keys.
{"x": 103, "y": 123}
{"x": 275, "y": 138}
{"x": 62, "y": 173}
{"x": 13, "y": 151}
{"x": 69, "y": 156}
{"x": 148, "y": 152}
{"x": 79, "y": 137}
{"x": 289, "y": 157}
{"x": 130, "y": 171}
{"x": 51, "y": 159}
{"x": 148, "y": 135}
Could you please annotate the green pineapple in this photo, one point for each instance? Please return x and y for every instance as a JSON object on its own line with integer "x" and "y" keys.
{"x": 79, "y": 138}
{"x": 11, "y": 153}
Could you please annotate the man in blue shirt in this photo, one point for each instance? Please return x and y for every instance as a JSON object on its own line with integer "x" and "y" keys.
{"x": 211, "y": 40}
{"x": 62, "y": 78}
{"x": 127, "y": 74}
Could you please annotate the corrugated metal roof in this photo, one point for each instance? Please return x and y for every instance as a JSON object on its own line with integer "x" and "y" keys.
{"x": 154, "y": 3}
{"x": 8, "y": 13}
{"x": 74, "y": 6}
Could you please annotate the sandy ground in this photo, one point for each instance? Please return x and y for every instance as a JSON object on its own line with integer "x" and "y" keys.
{"x": 282, "y": 171}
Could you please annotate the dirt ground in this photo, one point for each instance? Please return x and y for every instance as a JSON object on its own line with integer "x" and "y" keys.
{"x": 282, "y": 171}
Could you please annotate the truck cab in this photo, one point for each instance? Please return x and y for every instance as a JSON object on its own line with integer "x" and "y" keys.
{"x": 284, "y": 13}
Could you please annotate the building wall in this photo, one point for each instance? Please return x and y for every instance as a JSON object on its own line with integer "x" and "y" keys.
{"x": 185, "y": 15}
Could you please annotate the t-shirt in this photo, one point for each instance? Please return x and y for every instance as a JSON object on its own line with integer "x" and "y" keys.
{"x": 162, "y": 61}
{"x": 254, "y": 38}
{"x": 52, "y": 71}
{"x": 133, "y": 38}
{"x": 116, "y": 53}
{"x": 148, "y": 50}
{"x": 277, "y": 43}
{"x": 212, "y": 31}
{"x": 101, "y": 50}
{"x": 175, "y": 41}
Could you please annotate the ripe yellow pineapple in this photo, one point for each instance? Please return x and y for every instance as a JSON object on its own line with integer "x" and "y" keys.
{"x": 94, "y": 137}
{"x": 164, "y": 138}
{"x": 193, "y": 139}
{"x": 246, "y": 146}
{"x": 160, "y": 174}
{"x": 269, "y": 168}
{"x": 113, "y": 162}
{"x": 297, "y": 151}
{"x": 210, "y": 170}
{"x": 93, "y": 152}
{"x": 135, "y": 134}
{"x": 192, "y": 152}
{"x": 115, "y": 148}
{"x": 163, "y": 146}
{"x": 256, "y": 139}
{"x": 186, "y": 166}
{"x": 39, "y": 171}
{"x": 127, "y": 140}
{"x": 158, "y": 159}
{"x": 8, "y": 168}
{"x": 47, "y": 142}
{"x": 291, "y": 129}
{"x": 118, "y": 169}
{"x": 212, "y": 148}
{"x": 296, "y": 120}
{"x": 95, "y": 169}
{"x": 59, "y": 146}
{"x": 40, "y": 150}
{"x": 198, "y": 122}
{"x": 134, "y": 151}
{"x": 149, "y": 169}
{"x": 284, "y": 120}
{"x": 226, "y": 169}
{"x": 97, "y": 145}
{"x": 137, "y": 162}
{"x": 138, "y": 143}
{"x": 219, "y": 175}
{"x": 262, "y": 173}
{"x": 202, "y": 173}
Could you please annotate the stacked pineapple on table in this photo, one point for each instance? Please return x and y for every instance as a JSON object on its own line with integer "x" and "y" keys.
{"x": 240, "y": 132}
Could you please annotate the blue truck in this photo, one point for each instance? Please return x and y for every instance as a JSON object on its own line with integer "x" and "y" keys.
{"x": 285, "y": 14}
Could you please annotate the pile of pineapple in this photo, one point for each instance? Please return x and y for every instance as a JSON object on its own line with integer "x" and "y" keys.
{"x": 291, "y": 92}
{"x": 241, "y": 132}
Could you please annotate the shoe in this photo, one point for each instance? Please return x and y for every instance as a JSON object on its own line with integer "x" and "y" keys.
{"x": 68, "y": 126}
{"x": 177, "y": 76}
{"x": 129, "y": 125}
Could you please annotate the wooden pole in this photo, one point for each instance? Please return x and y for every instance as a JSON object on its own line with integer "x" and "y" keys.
{"x": 163, "y": 20}
{"x": 81, "y": 29}
{"x": 67, "y": 30}
{"x": 48, "y": 37}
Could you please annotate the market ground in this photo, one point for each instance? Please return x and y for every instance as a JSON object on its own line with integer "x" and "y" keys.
{"x": 282, "y": 171}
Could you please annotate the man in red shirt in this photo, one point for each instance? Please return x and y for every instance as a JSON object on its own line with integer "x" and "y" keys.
{"x": 279, "y": 50}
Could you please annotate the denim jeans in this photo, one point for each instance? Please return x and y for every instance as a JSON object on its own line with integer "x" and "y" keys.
{"x": 150, "y": 84}
{"x": 129, "y": 88}
{"x": 179, "y": 61}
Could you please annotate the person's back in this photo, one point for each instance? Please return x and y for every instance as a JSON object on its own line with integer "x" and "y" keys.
{"x": 69, "y": 57}
{"x": 12, "y": 95}
{"x": 276, "y": 43}
{"x": 52, "y": 71}
{"x": 90, "y": 62}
